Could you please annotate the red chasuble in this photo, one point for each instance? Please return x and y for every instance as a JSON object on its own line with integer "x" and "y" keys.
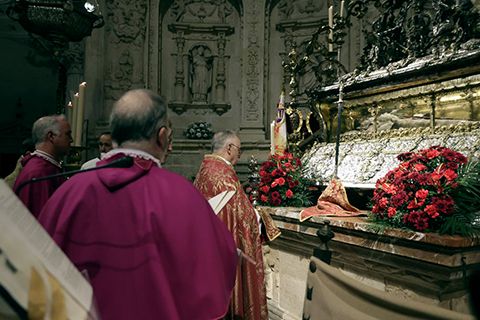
{"x": 35, "y": 195}
{"x": 249, "y": 297}
{"x": 150, "y": 242}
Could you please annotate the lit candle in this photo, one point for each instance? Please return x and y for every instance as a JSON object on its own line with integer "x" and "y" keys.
{"x": 330, "y": 24}
{"x": 80, "y": 114}
{"x": 69, "y": 112}
{"x": 272, "y": 137}
{"x": 73, "y": 124}
{"x": 342, "y": 4}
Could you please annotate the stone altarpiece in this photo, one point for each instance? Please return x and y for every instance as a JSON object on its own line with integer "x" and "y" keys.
{"x": 215, "y": 61}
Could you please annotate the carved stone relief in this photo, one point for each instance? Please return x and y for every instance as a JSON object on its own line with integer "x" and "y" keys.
{"x": 299, "y": 9}
{"x": 125, "y": 37}
{"x": 253, "y": 66}
{"x": 201, "y": 11}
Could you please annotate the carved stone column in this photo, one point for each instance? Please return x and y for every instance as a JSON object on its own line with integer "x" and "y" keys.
{"x": 220, "y": 86}
{"x": 179, "y": 74}
{"x": 251, "y": 122}
{"x": 74, "y": 58}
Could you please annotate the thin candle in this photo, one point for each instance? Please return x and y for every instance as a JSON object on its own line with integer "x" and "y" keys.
{"x": 330, "y": 24}
{"x": 81, "y": 111}
{"x": 74, "y": 117}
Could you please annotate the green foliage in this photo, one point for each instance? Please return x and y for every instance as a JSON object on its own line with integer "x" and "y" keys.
{"x": 466, "y": 218}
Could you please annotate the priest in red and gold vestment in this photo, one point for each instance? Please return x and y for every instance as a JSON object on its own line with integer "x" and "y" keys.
{"x": 216, "y": 175}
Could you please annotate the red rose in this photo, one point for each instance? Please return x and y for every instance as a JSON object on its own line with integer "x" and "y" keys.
{"x": 265, "y": 189}
{"x": 264, "y": 198}
{"x": 276, "y": 202}
{"x": 432, "y": 211}
{"x": 421, "y": 224}
{"x": 391, "y": 212}
{"x": 391, "y": 189}
{"x": 278, "y": 182}
{"x": 275, "y": 195}
{"x": 383, "y": 202}
{"x": 432, "y": 153}
{"x": 421, "y": 194}
{"x": 420, "y": 167}
{"x": 436, "y": 176}
{"x": 289, "y": 193}
{"x": 450, "y": 174}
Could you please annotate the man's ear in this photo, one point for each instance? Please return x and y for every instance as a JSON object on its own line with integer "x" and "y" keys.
{"x": 162, "y": 138}
{"x": 50, "y": 136}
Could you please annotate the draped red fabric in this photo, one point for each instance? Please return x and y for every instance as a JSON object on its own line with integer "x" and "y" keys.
{"x": 249, "y": 297}
{"x": 332, "y": 202}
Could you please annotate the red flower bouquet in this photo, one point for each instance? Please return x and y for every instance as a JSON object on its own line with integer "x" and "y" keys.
{"x": 431, "y": 190}
{"x": 281, "y": 183}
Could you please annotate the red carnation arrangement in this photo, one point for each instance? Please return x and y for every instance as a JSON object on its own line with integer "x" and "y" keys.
{"x": 281, "y": 183}
{"x": 434, "y": 189}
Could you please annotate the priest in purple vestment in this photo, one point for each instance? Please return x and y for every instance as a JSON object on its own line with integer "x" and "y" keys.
{"x": 52, "y": 137}
{"x": 149, "y": 241}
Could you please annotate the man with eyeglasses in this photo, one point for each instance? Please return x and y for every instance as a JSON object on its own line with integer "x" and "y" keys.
{"x": 105, "y": 144}
{"x": 216, "y": 175}
{"x": 52, "y": 137}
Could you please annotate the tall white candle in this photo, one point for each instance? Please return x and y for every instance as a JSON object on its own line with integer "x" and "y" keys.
{"x": 342, "y": 5}
{"x": 272, "y": 137}
{"x": 330, "y": 24}
{"x": 69, "y": 112}
{"x": 73, "y": 124}
{"x": 81, "y": 111}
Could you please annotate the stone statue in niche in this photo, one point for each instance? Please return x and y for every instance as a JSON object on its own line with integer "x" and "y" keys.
{"x": 200, "y": 73}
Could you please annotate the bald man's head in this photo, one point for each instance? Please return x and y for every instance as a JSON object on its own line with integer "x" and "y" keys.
{"x": 137, "y": 116}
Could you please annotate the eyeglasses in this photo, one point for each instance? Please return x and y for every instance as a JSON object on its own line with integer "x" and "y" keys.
{"x": 239, "y": 149}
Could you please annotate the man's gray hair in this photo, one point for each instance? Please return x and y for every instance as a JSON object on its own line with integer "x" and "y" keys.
{"x": 137, "y": 116}
{"x": 44, "y": 125}
{"x": 221, "y": 138}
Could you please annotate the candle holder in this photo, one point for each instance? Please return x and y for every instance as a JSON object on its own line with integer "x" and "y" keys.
{"x": 254, "y": 180}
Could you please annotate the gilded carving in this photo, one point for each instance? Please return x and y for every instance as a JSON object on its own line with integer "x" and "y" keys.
{"x": 126, "y": 34}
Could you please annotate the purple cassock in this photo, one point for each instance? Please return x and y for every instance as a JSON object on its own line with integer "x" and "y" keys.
{"x": 150, "y": 242}
{"x": 35, "y": 195}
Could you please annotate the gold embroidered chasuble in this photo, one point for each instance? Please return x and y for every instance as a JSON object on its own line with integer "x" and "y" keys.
{"x": 249, "y": 298}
